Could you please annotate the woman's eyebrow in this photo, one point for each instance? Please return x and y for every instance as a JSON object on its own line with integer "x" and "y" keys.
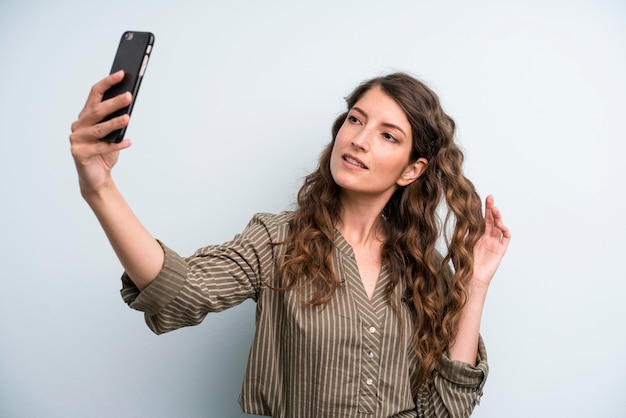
{"x": 387, "y": 124}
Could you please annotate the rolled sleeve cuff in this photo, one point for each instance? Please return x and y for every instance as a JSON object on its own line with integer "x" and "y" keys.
{"x": 162, "y": 290}
{"x": 466, "y": 375}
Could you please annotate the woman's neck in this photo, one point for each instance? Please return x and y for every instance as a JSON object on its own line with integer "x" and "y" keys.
{"x": 360, "y": 222}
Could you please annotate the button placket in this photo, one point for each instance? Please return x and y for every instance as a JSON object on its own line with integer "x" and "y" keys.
{"x": 372, "y": 314}
{"x": 370, "y": 367}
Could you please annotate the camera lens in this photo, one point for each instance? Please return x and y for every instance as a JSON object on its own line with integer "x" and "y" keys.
{"x": 128, "y": 36}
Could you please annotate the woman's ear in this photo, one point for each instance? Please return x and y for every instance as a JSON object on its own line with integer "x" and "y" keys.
{"x": 412, "y": 172}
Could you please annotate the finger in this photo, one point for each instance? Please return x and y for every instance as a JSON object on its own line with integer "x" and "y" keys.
{"x": 84, "y": 151}
{"x": 502, "y": 230}
{"x": 489, "y": 206}
{"x": 98, "y": 131}
{"x": 489, "y": 201}
{"x": 96, "y": 113}
{"x": 506, "y": 233}
{"x": 98, "y": 89}
{"x": 506, "y": 236}
{"x": 497, "y": 218}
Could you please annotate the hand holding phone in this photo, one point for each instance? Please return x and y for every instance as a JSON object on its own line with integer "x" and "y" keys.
{"x": 132, "y": 57}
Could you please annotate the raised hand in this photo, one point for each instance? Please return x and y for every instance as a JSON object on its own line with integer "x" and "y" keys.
{"x": 491, "y": 246}
{"x": 488, "y": 253}
{"x": 93, "y": 157}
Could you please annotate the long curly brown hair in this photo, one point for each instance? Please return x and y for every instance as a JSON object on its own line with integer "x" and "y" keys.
{"x": 435, "y": 282}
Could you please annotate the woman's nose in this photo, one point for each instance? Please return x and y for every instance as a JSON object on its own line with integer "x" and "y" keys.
{"x": 361, "y": 140}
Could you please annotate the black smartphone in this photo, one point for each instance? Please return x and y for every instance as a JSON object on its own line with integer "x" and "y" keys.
{"x": 132, "y": 56}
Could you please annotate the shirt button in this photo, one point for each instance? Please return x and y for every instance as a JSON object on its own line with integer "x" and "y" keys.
{"x": 372, "y": 330}
{"x": 370, "y": 354}
{"x": 369, "y": 382}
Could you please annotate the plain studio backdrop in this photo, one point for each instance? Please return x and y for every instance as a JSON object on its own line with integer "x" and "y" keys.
{"x": 236, "y": 105}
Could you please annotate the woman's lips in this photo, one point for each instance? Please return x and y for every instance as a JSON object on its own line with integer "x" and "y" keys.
{"x": 354, "y": 161}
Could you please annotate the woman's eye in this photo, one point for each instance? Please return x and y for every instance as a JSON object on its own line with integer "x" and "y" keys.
{"x": 389, "y": 137}
{"x": 353, "y": 119}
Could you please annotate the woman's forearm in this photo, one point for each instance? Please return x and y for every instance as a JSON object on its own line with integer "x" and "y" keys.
{"x": 140, "y": 254}
{"x": 465, "y": 347}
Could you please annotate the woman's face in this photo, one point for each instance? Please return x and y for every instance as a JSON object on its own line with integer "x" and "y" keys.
{"x": 372, "y": 148}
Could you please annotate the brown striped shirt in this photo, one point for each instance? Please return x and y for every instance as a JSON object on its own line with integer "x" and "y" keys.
{"x": 348, "y": 359}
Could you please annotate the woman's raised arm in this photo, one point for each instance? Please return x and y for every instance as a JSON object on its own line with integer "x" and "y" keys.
{"x": 488, "y": 253}
{"x": 140, "y": 254}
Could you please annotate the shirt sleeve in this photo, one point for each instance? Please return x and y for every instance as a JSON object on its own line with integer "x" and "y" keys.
{"x": 456, "y": 388}
{"x": 214, "y": 278}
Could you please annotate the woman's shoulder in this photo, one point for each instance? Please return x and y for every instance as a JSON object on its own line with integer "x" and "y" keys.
{"x": 272, "y": 219}
{"x": 276, "y": 224}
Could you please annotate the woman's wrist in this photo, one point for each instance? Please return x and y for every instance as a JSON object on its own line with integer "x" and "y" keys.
{"x": 94, "y": 194}
{"x": 477, "y": 285}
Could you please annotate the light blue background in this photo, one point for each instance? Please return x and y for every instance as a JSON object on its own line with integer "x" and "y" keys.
{"x": 236, "y": 105}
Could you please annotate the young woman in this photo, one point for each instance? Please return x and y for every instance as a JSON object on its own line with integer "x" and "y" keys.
{"x": 358, "y": 313}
